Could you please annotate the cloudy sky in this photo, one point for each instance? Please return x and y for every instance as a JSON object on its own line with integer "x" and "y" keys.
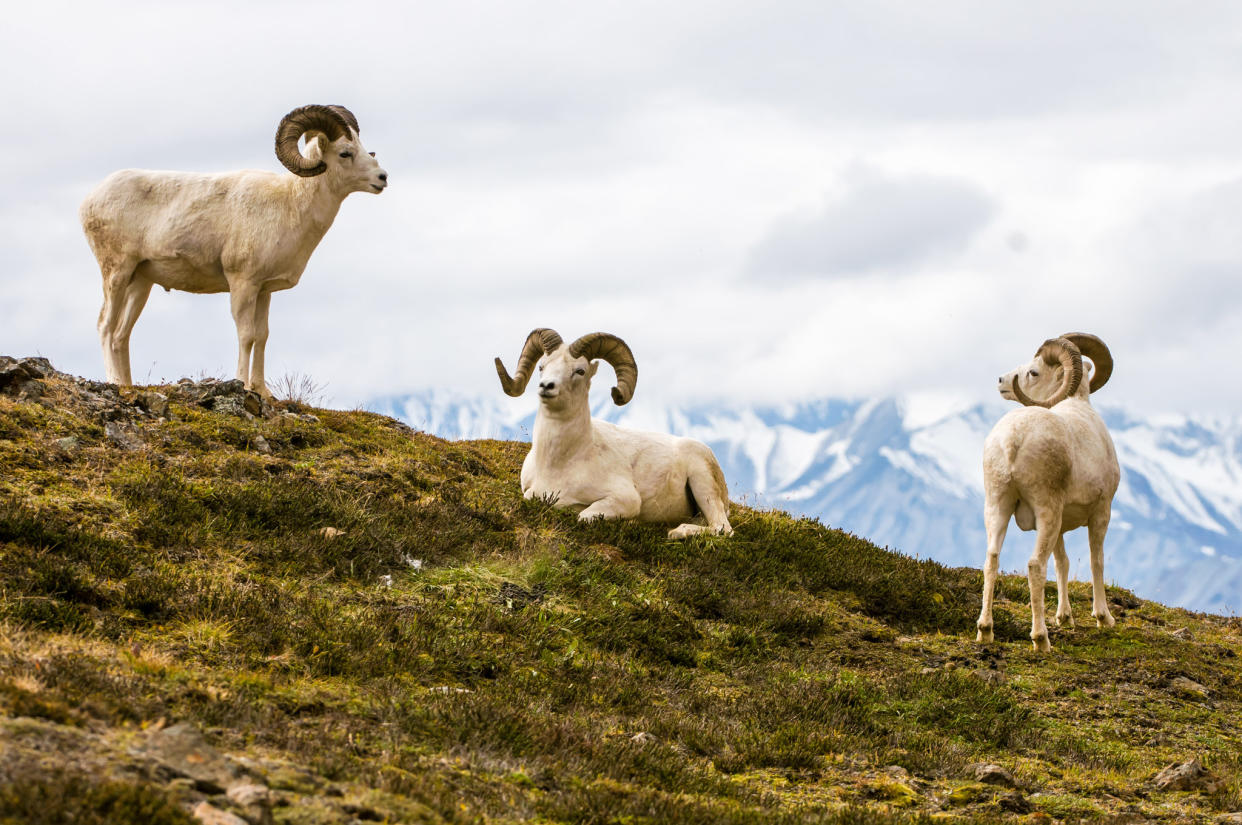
{"x": 767, "y": 200}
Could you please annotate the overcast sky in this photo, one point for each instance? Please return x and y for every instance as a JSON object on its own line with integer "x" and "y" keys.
{"x": 767, "y": 200}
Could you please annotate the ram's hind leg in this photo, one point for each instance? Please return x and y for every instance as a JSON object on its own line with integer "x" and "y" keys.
{"x": 1048, "y": 527}
{"x": 707, "y": 485}
{"x": 1097, "y": 526}
{"x": 118, "y": 275}
{"x": 996, "y": 514}
{"x": 1065, "y": 615}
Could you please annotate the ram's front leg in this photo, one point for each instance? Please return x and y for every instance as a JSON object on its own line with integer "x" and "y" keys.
{"x": 243, "y": 296}
{"x": 258, "y": 383}
{"x": 619, "y": 504}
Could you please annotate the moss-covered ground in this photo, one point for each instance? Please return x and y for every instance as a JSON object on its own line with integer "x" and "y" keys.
{"x": 455, "y": 653}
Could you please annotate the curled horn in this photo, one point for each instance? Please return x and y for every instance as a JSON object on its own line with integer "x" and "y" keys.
{"x": 348, "y": 117}
{"x": 539, "y": 343}
{"x": 1095, "y": 349}
{"x": 1056, "y": 350}
{"x": 314, "y": 118}
{"x": 613, "y": 350}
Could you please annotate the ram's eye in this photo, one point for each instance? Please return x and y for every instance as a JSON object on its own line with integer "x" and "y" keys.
{"x": 347, "y": 154}
{"x": 372, "y": 154}
{"x": 1034, "y": 374}
{"x": 580, "y": 371}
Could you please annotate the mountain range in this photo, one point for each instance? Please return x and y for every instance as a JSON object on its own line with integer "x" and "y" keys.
{"x": 905, "y": 472}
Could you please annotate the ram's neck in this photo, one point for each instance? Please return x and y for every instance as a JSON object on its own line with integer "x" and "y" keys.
{"x": 560, "y": 436}
{"x": 316, "y": 204}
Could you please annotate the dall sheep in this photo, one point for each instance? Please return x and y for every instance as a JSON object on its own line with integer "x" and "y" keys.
{"x": 1052, "y": 466}
{"x": 248, "y": 233}
{"x": 602, "y": 470}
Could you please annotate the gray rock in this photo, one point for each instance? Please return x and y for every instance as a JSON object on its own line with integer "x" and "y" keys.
{"x": 993, "y": 775}
{"x": 255, "y": 800}
{"x": 1189, "y": 688}
{"x": 155, "y": 403}
{"x": 989, "y": 676}
{"x": 67, "y": 444}
{"x": 1184, "y": 776}
{"x": 182, "y": 749}
{"x": 260, "y": 444}
{"x": 253, "y": 403}
{"x": 209, "y": 814}
{"x": 120, "y": 435}
{"x": 19, "y": 379}
{"x": 38, "y": 367}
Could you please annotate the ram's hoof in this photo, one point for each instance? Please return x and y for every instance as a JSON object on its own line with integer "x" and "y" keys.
{"x": 1065, "y": 621}
{"x": 1041, "y": 643}
{"x": 1104, "y": 619}
{"x": 985, "y": 635}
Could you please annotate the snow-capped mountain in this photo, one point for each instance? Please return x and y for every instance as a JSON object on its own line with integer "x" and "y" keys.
{"x": 905, "y": 472}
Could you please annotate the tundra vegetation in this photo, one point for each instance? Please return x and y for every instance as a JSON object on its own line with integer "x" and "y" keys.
{"x": 452, "y": 652}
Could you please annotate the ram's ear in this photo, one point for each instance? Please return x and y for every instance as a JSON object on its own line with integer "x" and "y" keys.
{"x": 591, "y": 371}
{"x": 316, "y": 145}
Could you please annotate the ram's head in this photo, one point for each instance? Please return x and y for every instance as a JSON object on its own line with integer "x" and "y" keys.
{"x": 565, "y": 372}
{"x": 1057, "y": 370}
{"x": 333, "y": 148}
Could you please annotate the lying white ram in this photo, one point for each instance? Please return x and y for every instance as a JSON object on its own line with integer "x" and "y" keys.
{"x": 248, "y": 233}
{"x": 1051, "y": 465}
{"x": 603, "y": 470}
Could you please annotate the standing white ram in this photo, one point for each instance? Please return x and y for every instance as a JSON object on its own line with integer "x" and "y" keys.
{"x": 598, "y": 468}
{"x": 1052, "y": 466}
{"x": 248, "y": 233}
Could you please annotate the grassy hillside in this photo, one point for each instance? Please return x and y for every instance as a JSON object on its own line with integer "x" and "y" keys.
{"x": 365, "y": 623}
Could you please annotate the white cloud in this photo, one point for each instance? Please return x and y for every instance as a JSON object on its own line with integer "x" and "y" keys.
{"x": 878, "y": 223}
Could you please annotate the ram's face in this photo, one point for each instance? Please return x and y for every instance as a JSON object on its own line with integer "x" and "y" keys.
{"x": 1039, "y": 379}
{"x": 564, "y": 379}
{"x": 352, "y": 165}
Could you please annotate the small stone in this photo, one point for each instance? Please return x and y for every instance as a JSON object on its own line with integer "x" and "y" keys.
{"x": 209, "y": 814}
{"x": 255, "y": 800}
{"x": 155, "y": 403}
{"x": 1184, "y": 776}
{"x": 67, "y": 444}
{"x": 182, "y": 749}
{"x": 253, "y": 403}
{"x": 1181, "y": 633}
{"x": 260, "y": 444}
{"x": 993, "y": 775}
{"x": 121, "y": 437}
{"x": 330, "y": 532}
{"x": 1188, "y": 688}
{"x": 642, "y": 738}
{"x": 250, "y": 794}
{"x": 989, "y": 676}
{"x": 1015, "y": 803}
{"x": 38, "y": 367}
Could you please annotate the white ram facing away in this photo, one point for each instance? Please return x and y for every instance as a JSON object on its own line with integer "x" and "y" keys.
{"x": 598, "y": 468}
{"x": 1051, "y": 465}
{"x": 248, "y": 233}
